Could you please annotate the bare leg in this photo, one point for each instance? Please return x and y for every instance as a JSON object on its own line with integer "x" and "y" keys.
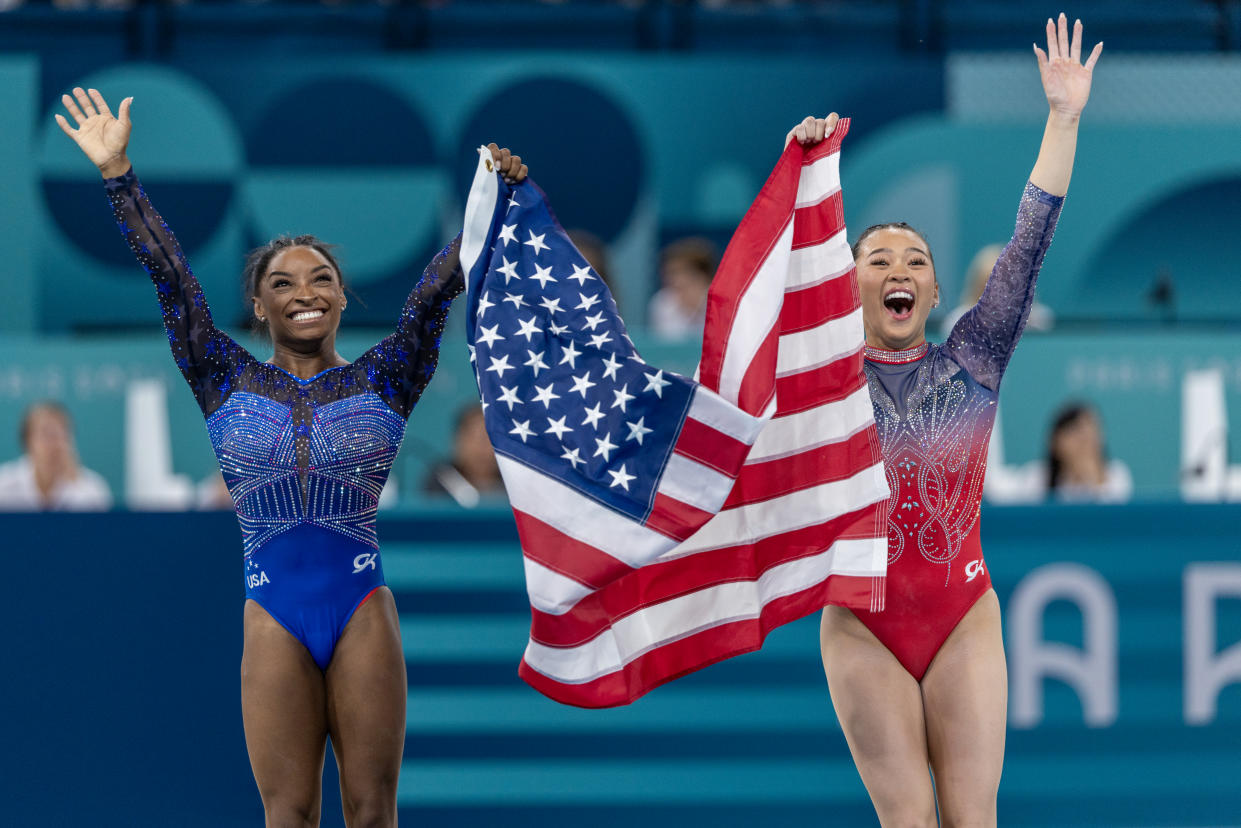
{"x": 879, "y": 705}
{"x": 965, "y": 693}
{"x": 282, "y": 707}
{"x": 366, "y": 697}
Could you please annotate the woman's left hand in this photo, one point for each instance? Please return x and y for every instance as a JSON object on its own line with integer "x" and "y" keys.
{"x": 1066, "y": 81}
{"x": 508, "y": 165}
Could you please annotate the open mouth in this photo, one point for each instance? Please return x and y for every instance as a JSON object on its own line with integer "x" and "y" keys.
{"x": 899, "y": 303}
{"x": 307, "y": 316}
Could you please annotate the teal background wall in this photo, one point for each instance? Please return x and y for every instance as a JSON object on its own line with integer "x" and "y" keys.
{"x": 121, "y": 687}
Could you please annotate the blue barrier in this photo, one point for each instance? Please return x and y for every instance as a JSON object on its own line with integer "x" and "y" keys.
{"x": 123, "y": 690}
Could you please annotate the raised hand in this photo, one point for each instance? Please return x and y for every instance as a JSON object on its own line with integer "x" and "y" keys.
{"x": 508, "y": 165}
{"x": 1066, "y": 82}
{"x": 101, "y": 135}
{"x": 812, "y": 130}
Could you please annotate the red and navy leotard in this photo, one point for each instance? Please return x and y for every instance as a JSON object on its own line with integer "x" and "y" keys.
{"x": 304, "y": 459}
{"x": 934, "y": 408}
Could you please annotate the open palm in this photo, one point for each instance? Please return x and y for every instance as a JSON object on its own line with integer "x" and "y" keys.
{"x": 1066, "y": 81}
{"x": 101, "y": 135}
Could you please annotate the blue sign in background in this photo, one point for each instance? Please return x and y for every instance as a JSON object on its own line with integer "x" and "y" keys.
{"x": 122, "y": 687}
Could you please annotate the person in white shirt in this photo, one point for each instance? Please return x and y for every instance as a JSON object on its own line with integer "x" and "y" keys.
{"x": 49, "y": 476}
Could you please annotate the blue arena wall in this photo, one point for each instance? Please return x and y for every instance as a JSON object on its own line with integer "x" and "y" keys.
{"x": 121, "y": 684}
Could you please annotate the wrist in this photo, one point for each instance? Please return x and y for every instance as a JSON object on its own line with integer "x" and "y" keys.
{"x": 1063, "y": 120}
{"x": 115, "y": 167}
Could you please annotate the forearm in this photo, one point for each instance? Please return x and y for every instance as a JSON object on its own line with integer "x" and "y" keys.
{"x": 1054, "y": 166}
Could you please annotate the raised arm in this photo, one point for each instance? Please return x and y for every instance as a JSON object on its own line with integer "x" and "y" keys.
{"x": 401, "y": 365}
{"x": 984, "y": 339}
{"x": 207, "y": 357}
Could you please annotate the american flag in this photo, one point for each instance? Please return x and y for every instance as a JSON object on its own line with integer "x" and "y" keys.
{"x": 668, "y": 523}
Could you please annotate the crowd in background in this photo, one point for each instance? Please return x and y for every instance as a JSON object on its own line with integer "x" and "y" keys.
{"x": 1075, "y": 466}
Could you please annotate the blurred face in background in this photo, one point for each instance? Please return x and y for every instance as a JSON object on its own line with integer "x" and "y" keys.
{"x": 897, "y": 282}
{"x": 687, "y": 283}
{"x": 1079, "y": 441}
{"x": 48, "y": 440}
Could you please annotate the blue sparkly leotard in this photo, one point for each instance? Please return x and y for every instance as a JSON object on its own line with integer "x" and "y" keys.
{"x": 934, "y": 408}
{"x": 304, "y": 459}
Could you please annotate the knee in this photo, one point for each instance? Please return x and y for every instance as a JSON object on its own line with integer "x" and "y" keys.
{"x": 981, "y": 819}
{"x": 290, "y": 815}
{"x": 908, "y": 818}
{"x": 374, "y": 815}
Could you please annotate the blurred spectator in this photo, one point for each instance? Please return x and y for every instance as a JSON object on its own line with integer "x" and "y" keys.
{"x": 678, "y": 309}
{"x": 48, "y": 474}
{"x": 1078, "y": 469}
{"x": 596, "y": 254}
{"x": 472, "y": 472}
{"x": 1042, "y": 318}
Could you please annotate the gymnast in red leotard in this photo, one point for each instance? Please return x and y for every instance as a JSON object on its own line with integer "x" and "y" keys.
{"x": 922, "y": 682}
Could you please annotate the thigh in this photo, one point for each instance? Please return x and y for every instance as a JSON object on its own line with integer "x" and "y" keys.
{"x": 366, "y": 697}
{"x": 879, "y": 706}
{"x": 965, "y": 693}
{"x": 282, "y": 707}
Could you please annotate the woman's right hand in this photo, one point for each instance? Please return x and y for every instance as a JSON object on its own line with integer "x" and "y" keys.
{"x": 102, "y": 136}
{"x": 812, "y": 130}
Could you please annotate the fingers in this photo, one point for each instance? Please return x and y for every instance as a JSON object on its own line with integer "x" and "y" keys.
{"x": 124, "y": 111}
{"x": 1094, "y": 56}
{"x": 1075, "y": 47}
{"x": 520, "y": 174}
{"x": 1042, "y": 58}
{"x": 72, "y": 108}
{"x": 1053, "y": 45}
{"x": 100, "y": 103}
{"x": 508, "y": 164}
{"x": 84, "y": 101}
{"x": 830, "y": 123}
{"x": 64, "y": 125}
{"x": 1062, "y": 27}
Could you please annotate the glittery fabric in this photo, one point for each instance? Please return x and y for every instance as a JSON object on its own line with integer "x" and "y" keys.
{"x": 293, "y": 451}
{"x": 934, "y": 416}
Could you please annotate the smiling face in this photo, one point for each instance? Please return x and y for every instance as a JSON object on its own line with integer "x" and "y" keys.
{"x": 896, "y": 278}
{"x": 300, "y": 296}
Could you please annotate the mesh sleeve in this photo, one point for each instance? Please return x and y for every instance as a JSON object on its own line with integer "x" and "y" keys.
{"x": 983, "y": 340}
{"x": 208, "y": 358}
{"x": 400, "y": 366}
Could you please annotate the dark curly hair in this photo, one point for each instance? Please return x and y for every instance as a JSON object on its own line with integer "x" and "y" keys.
{"x": 260, "y": 258}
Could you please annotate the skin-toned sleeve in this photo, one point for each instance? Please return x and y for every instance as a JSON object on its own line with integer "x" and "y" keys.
{"x": 983, "y": 340}
{"x": 400, "y": 366}
{"x": 208, "y": 358}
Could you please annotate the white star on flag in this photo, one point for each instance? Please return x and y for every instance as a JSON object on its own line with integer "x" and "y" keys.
{"x": 582, "y": 384}
{"x": 552, "y": 305}
{"x": 483, "y": 304}
{"x": 543, "y": 275}
{"x": 587, "y": 301}
{"x": 506, "y": 234}
{"x": 557, "y": 427}
{"x": 622, "y": 396}
{"x": 637, "y": 430}
{"x": 611, "y": 366}
{"x": 604, "y": 447}
{"x": 572, "y": 456}
{"x": 545, "y": 395}
{"x": 529, "y": 327}
{"x": 509, "y": 270}
{"x": 570, "y": 355}
{"x": 620, "y": 478}
{"x": 593, "y": 415}
{"x": 535, "y": 362}
{"x": 656, "y": 383}
{"x": 592, "y": 322}
{"x": 500, "y": 365}
{"x": 489, "y": 335}
{"x": 536, "y": 242}
{"x": 581, "y": 274}
{"x": 516, "y": 299}
{"x": 522, "y": 430}
{"x": 509, "y": 395}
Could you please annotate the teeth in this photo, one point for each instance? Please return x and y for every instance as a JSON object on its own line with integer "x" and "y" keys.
{"x": 305, "y": 316}
{"x": 899, "y": 294}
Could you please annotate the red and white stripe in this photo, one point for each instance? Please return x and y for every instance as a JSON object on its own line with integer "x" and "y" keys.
{"x": 616, "y": 609}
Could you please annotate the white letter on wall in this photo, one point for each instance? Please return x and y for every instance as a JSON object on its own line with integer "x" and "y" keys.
{"x": 1091, "y": 671}
{"x": 1206, "y": 672}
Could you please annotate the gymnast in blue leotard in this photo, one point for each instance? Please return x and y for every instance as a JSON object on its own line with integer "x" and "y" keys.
{"x": 305, "y": 441}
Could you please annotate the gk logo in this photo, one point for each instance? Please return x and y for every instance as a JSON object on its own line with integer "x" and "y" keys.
{"x": 973, "y": 569}
{"x": 364, "y": 561}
